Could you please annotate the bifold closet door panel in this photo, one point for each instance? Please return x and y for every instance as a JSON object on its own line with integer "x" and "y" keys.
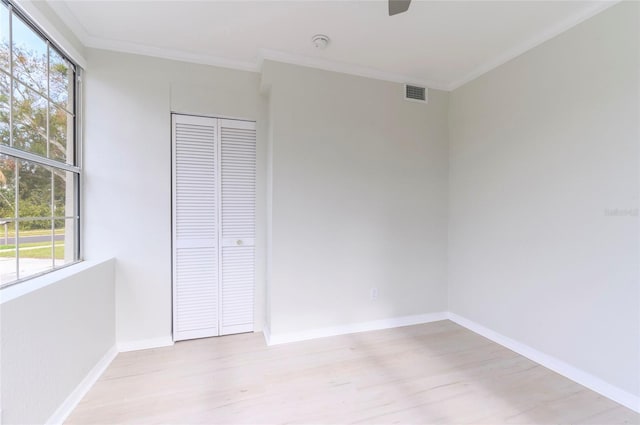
{"x": 238, "y": 213}
{"x": 195, "y": 223}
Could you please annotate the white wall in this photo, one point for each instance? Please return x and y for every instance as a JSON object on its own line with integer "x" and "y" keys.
{"x": 128, "y": 173}
{"x": 52, "y": 337}
{"x": 359, "y": 199}
{"x": 392, "y": 246}
{"x": 542, "y": 150}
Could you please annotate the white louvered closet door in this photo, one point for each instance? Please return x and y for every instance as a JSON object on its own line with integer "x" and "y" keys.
{"x": 238, "y": 195}
{"x": 195, "y": 227}
{"x": 214, "y": 172}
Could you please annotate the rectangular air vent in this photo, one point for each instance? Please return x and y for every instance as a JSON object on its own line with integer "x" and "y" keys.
{"x": 415, "y": 93}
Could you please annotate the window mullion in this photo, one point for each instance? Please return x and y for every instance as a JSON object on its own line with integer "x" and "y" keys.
{"x": 28, "y": 156}
{"x": 10, "y": 75}
{"x": 53, "y": 228}
{"x": 53, "y": 221}
{"x": 48, "y": 98}
{"x": 51, "y": 217}
{"x": 16, "y": 222}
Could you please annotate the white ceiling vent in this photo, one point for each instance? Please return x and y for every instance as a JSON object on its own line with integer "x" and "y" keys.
{"x": 415, "y": 93}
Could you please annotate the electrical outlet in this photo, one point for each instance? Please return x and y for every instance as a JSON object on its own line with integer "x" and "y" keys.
{"x": 374, "y": 294}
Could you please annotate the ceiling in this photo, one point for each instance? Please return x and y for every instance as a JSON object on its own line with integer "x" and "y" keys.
{"x": 441, "y": 44}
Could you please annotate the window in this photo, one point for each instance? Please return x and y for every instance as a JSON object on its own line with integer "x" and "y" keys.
{"x": 39, "y": 168}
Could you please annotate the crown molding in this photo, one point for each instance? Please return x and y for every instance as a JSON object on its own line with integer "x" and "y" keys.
{"x": 67, "y": 16}
{"x": 177, "y": 55}
{"x": 345, "y": 68}
{"x": 74, "y": 24}
{"x": 534, "y": 41}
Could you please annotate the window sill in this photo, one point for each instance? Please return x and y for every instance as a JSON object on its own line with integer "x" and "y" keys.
{"x": 38, "y": 282}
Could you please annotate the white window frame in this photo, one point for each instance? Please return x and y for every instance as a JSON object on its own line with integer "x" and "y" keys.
{"x": 75, "y": 167}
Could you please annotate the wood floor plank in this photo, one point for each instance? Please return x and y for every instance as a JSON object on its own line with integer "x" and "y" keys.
{"x": 437, "y": 373}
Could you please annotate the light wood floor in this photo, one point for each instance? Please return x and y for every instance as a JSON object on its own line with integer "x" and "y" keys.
{"x": 432, "y": 373}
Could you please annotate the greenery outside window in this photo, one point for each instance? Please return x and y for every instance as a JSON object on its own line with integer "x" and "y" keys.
{"x": 39, "y": 166}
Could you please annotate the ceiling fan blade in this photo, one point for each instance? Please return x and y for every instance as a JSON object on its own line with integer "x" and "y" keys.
{"x": 398, "y": 6}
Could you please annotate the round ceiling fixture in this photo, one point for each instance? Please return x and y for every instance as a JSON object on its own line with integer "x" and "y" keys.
{"x": 320, "y": 41}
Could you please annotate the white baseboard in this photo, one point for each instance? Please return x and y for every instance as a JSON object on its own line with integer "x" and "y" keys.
{"x": 267, "y": 334}
{"x": 64, "y": 410}
{"x": 581, "y": 377}
{"x": 144, "y": 344}
{"x": 67, "y": 406}
{"x": 395, "y": 322}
